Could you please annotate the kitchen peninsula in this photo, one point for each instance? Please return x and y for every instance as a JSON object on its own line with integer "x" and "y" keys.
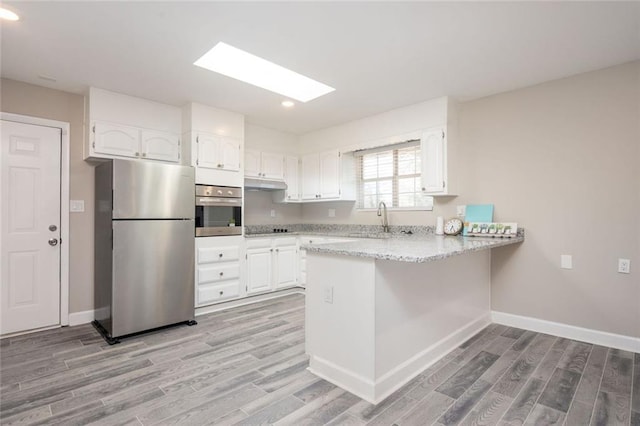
{"x": 379, "y": 311}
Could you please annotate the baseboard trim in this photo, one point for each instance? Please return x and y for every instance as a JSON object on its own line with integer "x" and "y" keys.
{"x": 82, "y": 317}
{"x": 376, "y": 392}
{"x": 603, "y": 338}
{"x": 203, "y": 310}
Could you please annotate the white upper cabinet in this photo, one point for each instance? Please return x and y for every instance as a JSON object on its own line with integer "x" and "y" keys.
{"x": 310, "y": 176}
{"x": 114, "y": 139}
{"x": 263, "y": 165}
{"x": 328, "y": 176}
{"x": 125, "y": 126}
{"x": 441, "y": 156}
{"x": 216, "y": 144}
{"x": 252, "y": 163}
{"x": 217, "y": 152}
{"x": 292, "y": 178}
{"x": 272, "y": 166}
{"x": 432, "y": 148}
{"x": 160, "y": 146}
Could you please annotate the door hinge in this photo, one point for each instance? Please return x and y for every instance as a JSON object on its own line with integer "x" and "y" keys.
{"x": 93, "y": 144}
{"x": 443, "y": 184}
{"x": 197, "y": 162}
{"x": 442, "y": 135}
{"x": 178, "y": 156}
{"x": 197, "y": 139}
{"x": 94, "y": 128}
{"x": 246, "y": 258}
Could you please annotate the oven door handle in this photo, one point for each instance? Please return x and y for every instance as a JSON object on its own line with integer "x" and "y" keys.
{"x": 218, "y": 202}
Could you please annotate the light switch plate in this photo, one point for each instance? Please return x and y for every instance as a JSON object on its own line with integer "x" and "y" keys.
{"x": 461, "y": 210}
{"x": 273, "y": 213}
{"x": 76, "y": 206}
{"x": 328, "y": 294}
{"x": 332, "y": 212}
{"x": 566, "y": 261}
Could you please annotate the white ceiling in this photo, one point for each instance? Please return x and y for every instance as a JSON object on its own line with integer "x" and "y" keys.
{"x": 378, "y": 55}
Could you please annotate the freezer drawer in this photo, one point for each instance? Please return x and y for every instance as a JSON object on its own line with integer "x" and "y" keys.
{"x": 145, "y": 190}
{"x": 153, "y": 274}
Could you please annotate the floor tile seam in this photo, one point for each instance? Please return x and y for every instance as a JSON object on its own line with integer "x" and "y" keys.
{"x": 584, "y": 369}
{"x": 595, "y": 402}
{"x": 405, "y": 395}
{"x": 513, "y": 399}
{"x": 633, "y": 391}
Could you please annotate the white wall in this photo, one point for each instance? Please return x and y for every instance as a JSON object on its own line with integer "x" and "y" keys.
{"x": 563, "y": 160}
{"x": 36, "y": 101}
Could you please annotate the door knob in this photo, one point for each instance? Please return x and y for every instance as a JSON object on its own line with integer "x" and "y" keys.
{"x": 53, "y": 241}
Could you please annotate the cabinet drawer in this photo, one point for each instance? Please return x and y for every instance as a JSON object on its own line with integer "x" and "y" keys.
{"x": 218, "y": 254}
{"x": 217, "y": 273}
{"x": 214, "y": 293}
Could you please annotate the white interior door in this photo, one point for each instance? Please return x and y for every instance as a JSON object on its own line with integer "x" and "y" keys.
{"x": 30, "y": 227}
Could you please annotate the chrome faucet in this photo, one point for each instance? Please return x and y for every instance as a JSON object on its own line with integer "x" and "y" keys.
{"x": 382, "y": 211}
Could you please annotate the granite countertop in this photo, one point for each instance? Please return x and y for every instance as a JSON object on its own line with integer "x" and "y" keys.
{"x": 411, "y": 248}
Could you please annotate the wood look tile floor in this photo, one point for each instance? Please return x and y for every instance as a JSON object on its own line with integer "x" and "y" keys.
{"x": 247, "y": 366}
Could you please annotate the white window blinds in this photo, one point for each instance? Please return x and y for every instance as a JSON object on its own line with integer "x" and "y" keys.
{"x": 391, "y": 174}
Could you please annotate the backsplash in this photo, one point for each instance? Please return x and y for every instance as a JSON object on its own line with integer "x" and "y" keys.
{"x": 320, "y": 228}
{"x": 333, "y": 228}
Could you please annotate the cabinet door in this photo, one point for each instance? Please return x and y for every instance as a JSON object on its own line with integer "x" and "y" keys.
{"x": 291, "y": 178}
{"x": 114, "y": 139}
{"x": 433, "y": 173}
{"x": 330, "y": 174}
{"x": 251, "y": 163}
{"x": 160, "y": 146}
{"x": 258, "y": 270}
{"x": 272, "y": 166}
{"x": 286, "y": 260}
{"x": 229, "y": 149}
{"x": 310, "y": 177}
{"x": 208, "y": 151}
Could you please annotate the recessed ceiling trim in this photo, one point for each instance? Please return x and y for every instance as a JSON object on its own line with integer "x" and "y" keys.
{"x": 236, "y": 63}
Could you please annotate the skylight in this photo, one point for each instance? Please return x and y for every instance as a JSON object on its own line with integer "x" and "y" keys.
{"x": 244, "y": 66}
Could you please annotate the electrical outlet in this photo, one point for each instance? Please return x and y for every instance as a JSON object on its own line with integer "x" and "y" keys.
{"x": 566, "y": 261}
{"x": 273, "y": 213}
{"x": 332, "y": 212}
{"x": 624, "y": 266}
{"x": 328, "y": 294}
{"x": 461, "y": 211}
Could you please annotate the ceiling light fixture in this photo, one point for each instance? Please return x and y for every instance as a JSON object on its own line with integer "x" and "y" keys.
{"x": 244, "y": 66}
{"x": 8, "y": 15}
{"x": 288, "y": 104}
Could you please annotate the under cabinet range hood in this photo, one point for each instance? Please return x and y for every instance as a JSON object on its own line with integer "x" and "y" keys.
{"x": 264, "y": 184}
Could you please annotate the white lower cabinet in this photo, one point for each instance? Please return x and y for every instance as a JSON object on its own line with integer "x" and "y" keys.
{"x": 272, "y": 263}
{"x": 218, "y": 269}
{"x": 259, "y": 270}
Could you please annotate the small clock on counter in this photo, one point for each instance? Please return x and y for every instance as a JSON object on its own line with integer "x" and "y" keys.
{"x": 453, "y": 226}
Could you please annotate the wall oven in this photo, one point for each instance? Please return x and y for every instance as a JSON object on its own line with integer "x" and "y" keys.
{"x": 218, "y": 211}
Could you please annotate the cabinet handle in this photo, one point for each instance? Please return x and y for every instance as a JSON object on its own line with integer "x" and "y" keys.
{"x": 221, "y": 273}
{"x": 144, "y": 154}
{"x": 220, "y": 255}
{"x": 424, "y": 189}
{"x": 137, "y": 154}
{"x": 277, "y": 250}
{"x": 221, "y": 292}
{"x": 271, "y": 250}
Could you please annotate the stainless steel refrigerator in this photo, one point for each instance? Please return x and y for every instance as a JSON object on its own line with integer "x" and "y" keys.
{"x": 144, "y": 246}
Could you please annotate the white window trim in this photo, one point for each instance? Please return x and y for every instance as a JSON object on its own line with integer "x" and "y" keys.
{"x": 382, "y": 148}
